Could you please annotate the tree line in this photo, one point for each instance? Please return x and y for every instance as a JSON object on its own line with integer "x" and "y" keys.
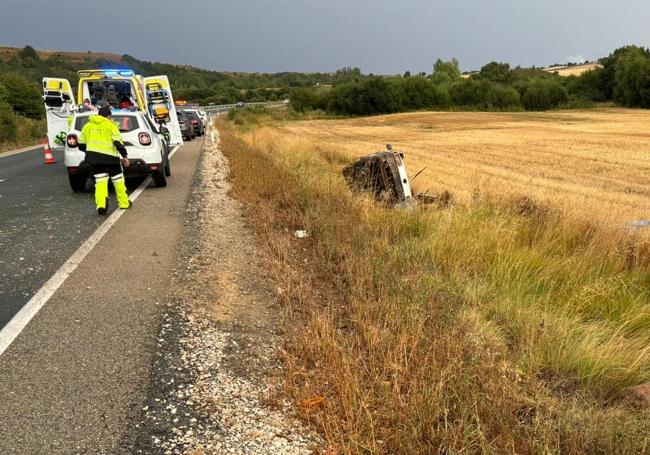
{"x": 21, "y": 107}
{"x": 624, "y": 79}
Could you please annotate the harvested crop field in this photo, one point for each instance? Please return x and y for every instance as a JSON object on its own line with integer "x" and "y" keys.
{"x": 596, "y": 162}
{"x": 573, "y": 70}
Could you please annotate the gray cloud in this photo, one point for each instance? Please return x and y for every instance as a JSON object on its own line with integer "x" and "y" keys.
{"x": 380, "y": 36}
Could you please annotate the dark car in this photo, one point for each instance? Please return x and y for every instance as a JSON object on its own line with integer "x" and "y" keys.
{"x": 187, "y": 130}
{"x": 197, "y": 123}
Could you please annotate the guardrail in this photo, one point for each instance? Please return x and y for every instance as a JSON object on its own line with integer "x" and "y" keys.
{"x": 223, "y": 108}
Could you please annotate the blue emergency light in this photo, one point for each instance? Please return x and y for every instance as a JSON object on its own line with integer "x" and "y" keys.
{"x": 107, "y": 73}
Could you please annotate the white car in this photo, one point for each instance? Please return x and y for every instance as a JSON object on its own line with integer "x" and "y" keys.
{"x": 203, "y": 116}
{"x": 147, "y": 148}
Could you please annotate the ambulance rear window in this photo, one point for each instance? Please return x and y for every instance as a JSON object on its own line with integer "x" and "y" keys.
{"x": 126, "y": 123}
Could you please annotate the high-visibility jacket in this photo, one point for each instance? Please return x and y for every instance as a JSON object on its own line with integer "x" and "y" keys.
{"x": 99, "y": 134}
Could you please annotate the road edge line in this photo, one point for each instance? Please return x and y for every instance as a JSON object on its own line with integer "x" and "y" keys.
{"x": 17, "y": 324}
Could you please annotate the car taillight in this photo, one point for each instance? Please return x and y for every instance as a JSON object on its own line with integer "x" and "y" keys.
{"x": 72, "y": 140}
{"x": 195, "y": 122}
{"x": 144, "y": 138}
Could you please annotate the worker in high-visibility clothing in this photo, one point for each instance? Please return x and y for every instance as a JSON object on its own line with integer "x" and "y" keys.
{"x": 102, "y": 142}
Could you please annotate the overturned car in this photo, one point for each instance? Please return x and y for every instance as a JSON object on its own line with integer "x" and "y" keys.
{"x": 382, "y": 174}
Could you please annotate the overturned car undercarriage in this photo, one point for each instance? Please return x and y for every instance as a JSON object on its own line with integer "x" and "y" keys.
{"x": 383, "y": 175}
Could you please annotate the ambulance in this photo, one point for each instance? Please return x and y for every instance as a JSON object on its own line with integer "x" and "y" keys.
{"x": 121, "y": 89}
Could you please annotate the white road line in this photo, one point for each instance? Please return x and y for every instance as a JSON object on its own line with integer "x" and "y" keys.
{"x": 11, "y": 331}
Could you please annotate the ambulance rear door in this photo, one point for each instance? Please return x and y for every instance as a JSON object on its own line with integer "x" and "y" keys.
{"x": 59, "y": 105}
{"x": 157, "y": 101}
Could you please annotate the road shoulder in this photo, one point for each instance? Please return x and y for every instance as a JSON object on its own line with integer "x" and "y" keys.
{"x": 78, "y": 372}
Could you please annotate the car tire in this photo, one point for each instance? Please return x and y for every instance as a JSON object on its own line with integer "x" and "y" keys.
{"x": 168, "y": 168}
{"x": 78, "y": 182}
{"x": 159, "y": 178}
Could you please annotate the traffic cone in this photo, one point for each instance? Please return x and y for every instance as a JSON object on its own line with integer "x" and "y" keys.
{"x": 49, "y": 158}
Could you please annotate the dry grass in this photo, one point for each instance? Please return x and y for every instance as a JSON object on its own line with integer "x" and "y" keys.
{"x": 497, "y": 325}
{"x": 7, "y": 53}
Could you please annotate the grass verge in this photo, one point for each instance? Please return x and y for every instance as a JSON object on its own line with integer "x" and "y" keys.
{"x": 27, "y": 132}
{"x": 498, "y": 326}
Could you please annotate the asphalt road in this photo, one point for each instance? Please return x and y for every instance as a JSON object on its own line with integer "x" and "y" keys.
{"x": 77, "y": 375}
{"x": 42, "y": 222}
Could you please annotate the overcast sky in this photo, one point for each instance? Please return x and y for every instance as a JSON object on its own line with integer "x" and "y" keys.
{"x": 379, "y": 36}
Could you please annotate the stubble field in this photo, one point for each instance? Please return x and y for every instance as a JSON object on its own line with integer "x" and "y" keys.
{"x": 593, "y": 162}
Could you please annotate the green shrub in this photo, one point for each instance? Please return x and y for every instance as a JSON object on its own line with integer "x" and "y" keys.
{"x": 7, "y": 123}
{"x": 542, "y": 94}
{"x": 23, "y": 96}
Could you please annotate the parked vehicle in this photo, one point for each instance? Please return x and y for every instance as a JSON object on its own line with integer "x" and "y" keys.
{"x": 187, "y": 130}
{"x": 119, "y": 88}
{"x": 147, "y": 148}
{"x": 204, "y": 118}
{"x": 196, "y": 121}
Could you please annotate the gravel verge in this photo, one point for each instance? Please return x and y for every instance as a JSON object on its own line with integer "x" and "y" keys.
{"x": 217, "y": 381}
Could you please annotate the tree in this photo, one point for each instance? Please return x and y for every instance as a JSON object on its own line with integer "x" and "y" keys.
{"x": 24, "y": 97}
{"x": 418, "y": 93}
{"x": 632, "y": 78}
{"x": 589, "y": 86}
{"x": 497, "y": 72}
{"x": 609, "y": 67}
{"x": 542, "y": 94}
{"x": 27, "y": 53}
{"x": 303, "y": 99}
{"x": 7, "y": 122}
{"x": 445, "y": 72}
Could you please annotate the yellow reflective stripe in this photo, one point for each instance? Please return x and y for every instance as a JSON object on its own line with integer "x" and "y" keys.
{"x": 99, "y": 143}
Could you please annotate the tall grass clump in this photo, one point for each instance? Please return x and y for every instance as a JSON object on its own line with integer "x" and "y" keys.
{"x": 498, "y": 326}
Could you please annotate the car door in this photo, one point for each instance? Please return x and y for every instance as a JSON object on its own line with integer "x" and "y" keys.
{"x": 59, "y": 105}
{"x": 153, "y": 84}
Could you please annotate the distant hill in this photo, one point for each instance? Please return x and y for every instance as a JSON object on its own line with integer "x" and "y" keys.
{"x": 7, "y": 53}
{"x": 572, "y": 70}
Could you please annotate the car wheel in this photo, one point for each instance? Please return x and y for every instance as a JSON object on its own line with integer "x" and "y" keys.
{"x": 77, "y": 182}
{"x": 159, "y": 178}
{"x": 168, "y": 168}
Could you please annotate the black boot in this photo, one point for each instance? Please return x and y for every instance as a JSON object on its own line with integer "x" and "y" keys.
{"x": 103, "y": 210}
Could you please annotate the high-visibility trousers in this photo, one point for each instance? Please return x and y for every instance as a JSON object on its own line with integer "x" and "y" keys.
{"x": 114, "y": 172}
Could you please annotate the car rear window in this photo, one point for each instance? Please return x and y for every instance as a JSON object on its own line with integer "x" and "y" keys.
{"x": 125, "y": 123}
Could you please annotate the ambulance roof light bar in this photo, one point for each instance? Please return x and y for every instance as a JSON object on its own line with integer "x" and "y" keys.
{"x": 106, "y": 73}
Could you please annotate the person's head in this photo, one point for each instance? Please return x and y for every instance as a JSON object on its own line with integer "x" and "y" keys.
{"x": 105, "y": 111}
